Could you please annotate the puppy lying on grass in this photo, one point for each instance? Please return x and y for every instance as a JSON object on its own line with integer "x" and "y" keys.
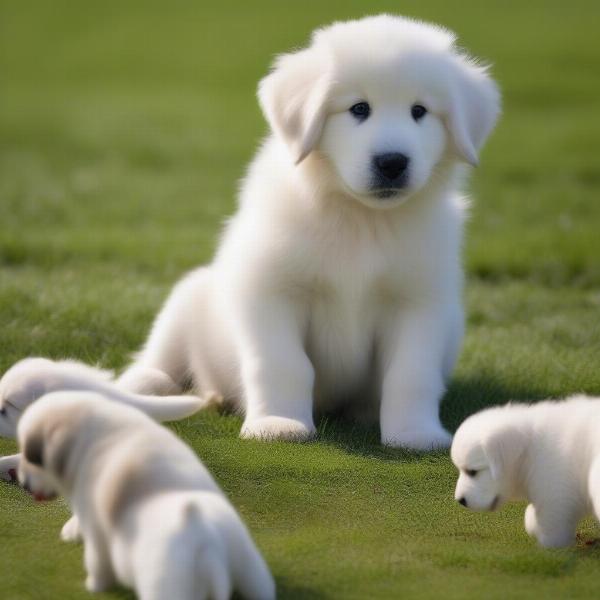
{"x": 151, "y": 516}
{"x": 31, "y": 378}
{"x": 546, "y": 453}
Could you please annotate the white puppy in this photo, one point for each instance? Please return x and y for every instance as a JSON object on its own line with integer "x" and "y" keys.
{"x": 151, "y": 515}
{"x": 546, "y": 453}
{"x": 337, "y": 285}
{"x": 31, "y": 378}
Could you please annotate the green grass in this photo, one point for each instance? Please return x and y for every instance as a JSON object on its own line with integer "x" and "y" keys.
{"x": 124, "y": 127}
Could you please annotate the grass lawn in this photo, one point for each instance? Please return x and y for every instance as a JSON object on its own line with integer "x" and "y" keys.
{"x": 124, "y": 127}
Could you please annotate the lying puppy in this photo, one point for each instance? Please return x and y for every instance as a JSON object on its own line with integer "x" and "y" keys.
{"x": 546, "y": 453}
{"x": 151, "y": 515}
{"x": 31, "y": 378}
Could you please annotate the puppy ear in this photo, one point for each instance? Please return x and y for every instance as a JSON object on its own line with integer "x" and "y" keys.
{"x": 293, "y": 99}
{"x": 504, "y": 449}
{"x": 59, "y": 445}
{"x": 34, "y": 449}
{"x": 474, "y": 108}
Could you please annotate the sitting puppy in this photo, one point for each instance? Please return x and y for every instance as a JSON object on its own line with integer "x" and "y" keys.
{"x": 546, "y": 453}
{"x": 31, "y": 378}
{"x": 151, "y": 515}
{"x": 336, "y": 286}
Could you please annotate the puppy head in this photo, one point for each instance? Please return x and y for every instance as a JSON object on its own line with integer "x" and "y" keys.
{"x": 487, "y": 451}
{"x": 21, "y": 385}
{"x": 31, "y": 378}
{"x": 47, "y": 433}
{"x": 385, "y": 100}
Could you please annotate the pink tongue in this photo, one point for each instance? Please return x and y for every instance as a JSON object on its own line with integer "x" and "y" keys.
{"x": 12, "y": 473}
{"x": 39, "y": 497}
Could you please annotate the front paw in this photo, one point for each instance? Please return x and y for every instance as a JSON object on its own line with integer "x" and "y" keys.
{"x": 558, "y": 537}
{"x": 71, "y": 532}
{"x": 555, "y": 539}
{"x": 277, "y": 428}
{"x": 530, "y": 520}
{"x": 94, "y": 583}
{"x": 418, "y": 439}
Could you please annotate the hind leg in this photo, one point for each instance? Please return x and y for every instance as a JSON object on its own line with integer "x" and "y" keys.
{"x": 594, "y": 487}
{"x": 150, "y": 381}
{"x": 100, "y": 575}
{"x": 162, "y": 367}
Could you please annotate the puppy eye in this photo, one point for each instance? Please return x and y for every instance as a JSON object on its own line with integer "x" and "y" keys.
{"x": 3, "y": 411}
{"x": 471, "y": 472}
{"x": 418, "y": 111}
{"x": 360, "y": 110}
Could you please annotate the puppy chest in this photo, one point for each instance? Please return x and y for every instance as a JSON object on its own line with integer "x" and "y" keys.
{"x": 342, "y": 334}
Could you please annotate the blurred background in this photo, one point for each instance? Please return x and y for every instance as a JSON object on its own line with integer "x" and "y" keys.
{"x": 126, "y": 125}
{"x": 124, "y": 129}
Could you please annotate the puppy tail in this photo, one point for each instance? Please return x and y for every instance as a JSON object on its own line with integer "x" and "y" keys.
{"x": 250, "y": 573}
{"x": 193, "y": 564}
{"x": 44, "y": 376}
{"x": 164, "y": 408}
{"x": 227, "y": 558}
{"x": 210, "y": 576}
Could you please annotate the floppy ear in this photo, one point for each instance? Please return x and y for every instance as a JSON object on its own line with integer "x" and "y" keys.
{"x": 34, "y": 449}
{"x": 504, "y": 449}
{"x": 474, "y": 108}
{"x": 293, "y": 99}
{"x": 59, "y": 445}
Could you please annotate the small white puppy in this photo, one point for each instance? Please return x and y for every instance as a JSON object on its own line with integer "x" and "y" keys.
{"x": 31, "y": 378}
{"x": 337, "y": 284}
{"x": 546, "y": 453}
{"x": 151, "y": 515}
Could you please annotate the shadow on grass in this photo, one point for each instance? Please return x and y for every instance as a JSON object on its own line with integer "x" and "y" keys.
{"x": 364, "y": 440}
{"x": 287, "y": 589}
{"x": 464, "y": 397}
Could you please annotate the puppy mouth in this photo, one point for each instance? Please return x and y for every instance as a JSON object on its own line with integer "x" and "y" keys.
{"x": 385, "y": 194}
{"x": 37, "y": 495}
{"x": 495, "y": 503}
{"x": 41, "y": 497}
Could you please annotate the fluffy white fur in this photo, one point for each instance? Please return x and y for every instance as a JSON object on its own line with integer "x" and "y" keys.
{"x": 151, "y": 516}
{"x": 546, "y": 453}
{"x": 325, "y": 293}
{"x": 31, "y": 378}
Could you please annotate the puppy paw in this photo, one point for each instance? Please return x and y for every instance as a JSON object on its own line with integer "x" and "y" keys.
{"x": 277, "y": 428}
{"x": 556, "y": 539}
{"x": 418, "y": 439}
{"x": 10, "y": 475}
{"x": 71, "y": 532}
{"x": 145, "y": 380}
{"x": 530, "y": 520}
{"x": 557, "y": 536}
{"x": 97, "y": 584}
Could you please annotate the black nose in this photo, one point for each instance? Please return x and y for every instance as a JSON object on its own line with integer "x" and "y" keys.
{"x": 462, "y": 501}
{"x": 391, "y": 165}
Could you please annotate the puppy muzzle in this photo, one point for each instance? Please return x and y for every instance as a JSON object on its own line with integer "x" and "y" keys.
{"x": 37, "y": 495}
